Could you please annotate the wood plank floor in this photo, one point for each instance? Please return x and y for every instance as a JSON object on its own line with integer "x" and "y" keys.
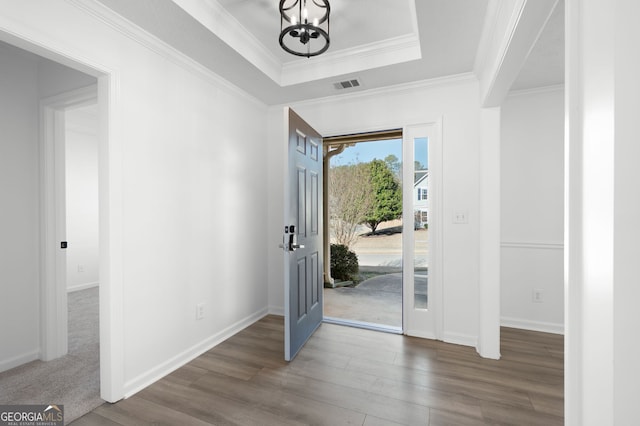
{"x": 347, "y": 376}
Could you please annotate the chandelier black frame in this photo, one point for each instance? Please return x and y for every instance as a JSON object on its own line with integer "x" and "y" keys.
{"x": 299, "y": 32}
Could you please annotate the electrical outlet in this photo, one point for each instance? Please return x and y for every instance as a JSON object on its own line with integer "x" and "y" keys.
{"x": 199, "y": 311}
{"x": 538, "y": 295}
{"x": 80, "y": 268}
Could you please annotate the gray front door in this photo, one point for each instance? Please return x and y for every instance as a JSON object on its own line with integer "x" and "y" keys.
{"x": 303, "y": 235}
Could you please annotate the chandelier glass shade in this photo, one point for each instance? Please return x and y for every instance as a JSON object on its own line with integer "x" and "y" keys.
{"x": 304, "y": 27}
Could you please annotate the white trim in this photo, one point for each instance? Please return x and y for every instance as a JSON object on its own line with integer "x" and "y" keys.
{"x": 18, "y": 360}
{"x": 220, "y": 22}
{"x": 489, "y": 235}
{"x": 488, "y": 34}
{"x": 276, "y": 310}
{"x": 84, "y": 286}
{"x": 545, "y": 327}
{"x": 53, "y": 285}
{"x": 156, "y": 373}
{"x": 111, "y": 268}
{"x": 216, "y": 19}
{"x": 382, "y": 91}
{"x": 427, "y": 323}
{"x": 348, "y": 61}
{"x": 516, "y": 27}
{"x": 363, "y": 324}
{"x": 532, "y": 245}
{"x": 154, "y": 44}
{"x": 536, "y": 90}
{"x": 460, "y": 339}
{"x": 420, "y": 333}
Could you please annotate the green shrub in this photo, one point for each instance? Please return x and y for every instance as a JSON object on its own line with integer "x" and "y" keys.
{"x": 344, "y": 263}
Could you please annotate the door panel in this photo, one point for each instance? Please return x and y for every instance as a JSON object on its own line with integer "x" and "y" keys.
{"x": 302, "y": 243}
{"x": 422, "y": 205}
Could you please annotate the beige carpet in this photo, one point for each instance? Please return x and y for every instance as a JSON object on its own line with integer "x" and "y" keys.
{"x": 72, "y": 380}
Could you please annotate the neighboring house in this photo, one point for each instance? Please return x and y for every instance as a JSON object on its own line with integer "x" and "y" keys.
{"x": 420, "y": 195}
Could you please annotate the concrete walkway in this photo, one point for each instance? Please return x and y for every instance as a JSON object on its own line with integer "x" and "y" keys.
{"x": 376, "y": 300}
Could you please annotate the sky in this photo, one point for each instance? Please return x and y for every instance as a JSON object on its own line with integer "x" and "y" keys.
{"x": 366, "y": 151}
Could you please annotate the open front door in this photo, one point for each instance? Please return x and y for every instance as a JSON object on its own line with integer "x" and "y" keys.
{"x": 302, "y": 241}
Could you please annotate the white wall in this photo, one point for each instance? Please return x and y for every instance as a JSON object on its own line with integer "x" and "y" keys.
{"x": 19, "y": 223}
{"x": 601, "y": 346}
{"x": 532, "y": 209}
{"x": 457, "y": 103}
{"x": 186, "y": 174}
{"x": 81, "y": 163}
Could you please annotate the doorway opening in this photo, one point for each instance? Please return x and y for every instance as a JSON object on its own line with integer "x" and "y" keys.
{"x": 364, "y": 287}
{"x": 48, "y": 94}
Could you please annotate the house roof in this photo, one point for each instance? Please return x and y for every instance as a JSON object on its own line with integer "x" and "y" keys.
{"x": 420, "y": 176}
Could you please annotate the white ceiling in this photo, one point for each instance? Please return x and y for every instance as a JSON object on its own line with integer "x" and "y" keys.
{"x": 380, "y": 42}
{"x": 360, "y": 22}
{"x": 545, "y": 64}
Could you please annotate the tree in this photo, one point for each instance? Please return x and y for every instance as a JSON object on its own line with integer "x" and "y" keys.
{"x": 387, "y": 195}
{"x": 394, "y": 164}
{"x": 350, "y": 198}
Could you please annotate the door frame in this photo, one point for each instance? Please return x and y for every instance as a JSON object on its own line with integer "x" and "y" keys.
{"x": 411, "y": 325}
{"x": 110, "y": 193}
{"x": 427, "y": 323}
{"x": 53, "y": 287}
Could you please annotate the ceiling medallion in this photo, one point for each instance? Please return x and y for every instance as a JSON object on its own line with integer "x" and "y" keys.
{"x": 304, "y": 27}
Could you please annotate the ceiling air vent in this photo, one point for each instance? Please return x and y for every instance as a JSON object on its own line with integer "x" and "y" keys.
{"x": 347, "y": 84}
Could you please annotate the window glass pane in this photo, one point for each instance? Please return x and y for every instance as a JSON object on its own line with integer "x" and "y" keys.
{"x": 421, "y": 225}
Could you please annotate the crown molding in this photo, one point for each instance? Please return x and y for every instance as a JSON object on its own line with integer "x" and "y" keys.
{"x": 488, "y": 35}
{"x": 216, "y": 19}
{"x": 398, "y": 88}
{"x": 536, "y": 90}
{"x": 373, "y": 55}
{"x": 346, "y": 61}
{"x": 154, "y": 44}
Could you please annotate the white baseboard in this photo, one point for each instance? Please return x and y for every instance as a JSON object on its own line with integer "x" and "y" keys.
{"x": 421, "y": 334}
{"x": 142, "y": 381}
{"x": 276, "y": 310}
{"x": 545, "y": 327}
{"x": 84, "y": 286}
{"x": 16, "y": 361}
{"x": 460, "y": 339}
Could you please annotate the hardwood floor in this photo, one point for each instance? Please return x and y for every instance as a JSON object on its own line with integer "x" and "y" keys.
{"x": 351, "y": 376}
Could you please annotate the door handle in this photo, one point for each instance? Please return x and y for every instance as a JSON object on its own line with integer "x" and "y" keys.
{"x": 292, "y": 243}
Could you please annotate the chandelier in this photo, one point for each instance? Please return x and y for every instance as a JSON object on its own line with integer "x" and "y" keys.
{"x": 304, "y": 26}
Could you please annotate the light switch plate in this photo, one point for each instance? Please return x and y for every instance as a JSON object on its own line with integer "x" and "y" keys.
{"x": 460, "y": 217}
